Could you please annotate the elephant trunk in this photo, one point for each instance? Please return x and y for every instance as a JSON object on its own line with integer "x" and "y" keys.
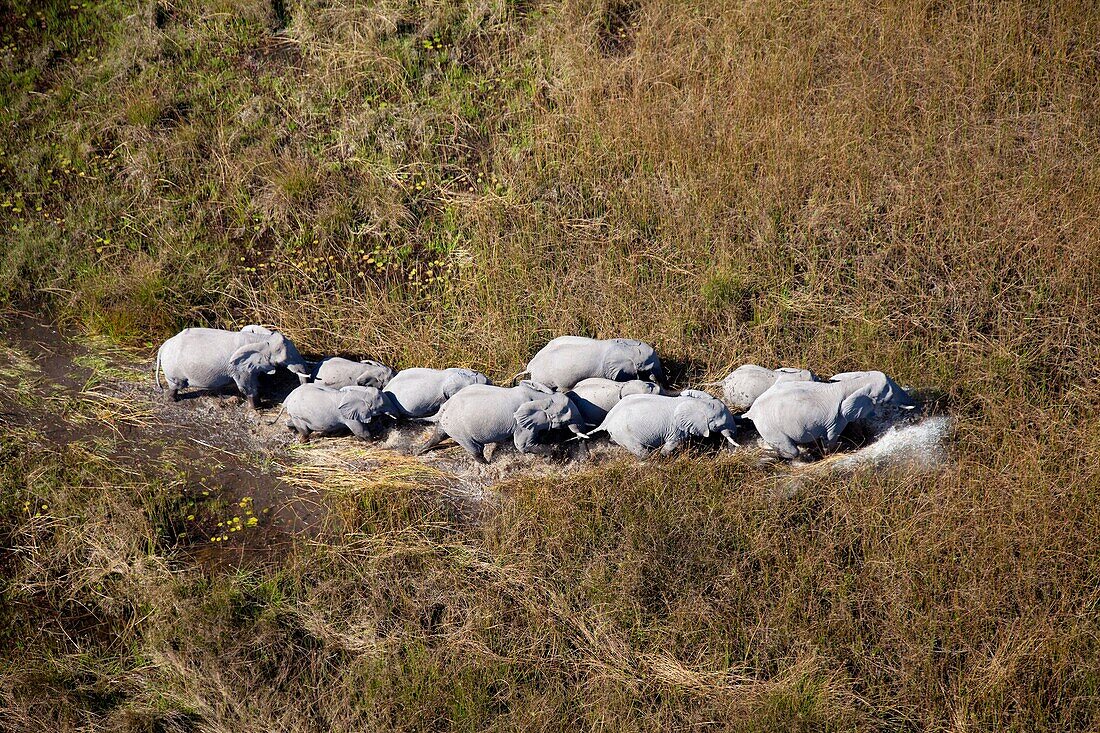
{"x": 656, "y": 374}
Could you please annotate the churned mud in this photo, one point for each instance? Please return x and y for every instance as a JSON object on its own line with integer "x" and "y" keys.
{"x": 246, "y": 487}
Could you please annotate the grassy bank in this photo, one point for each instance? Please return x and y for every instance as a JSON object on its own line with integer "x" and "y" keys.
{"x": 907, "y": 186}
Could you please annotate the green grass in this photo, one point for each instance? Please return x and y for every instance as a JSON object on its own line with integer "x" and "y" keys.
{"x": 904, "y": 186}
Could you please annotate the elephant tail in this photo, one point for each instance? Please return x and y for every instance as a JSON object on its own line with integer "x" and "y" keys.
{"x": 512, "y": 380}
{"x": 601, "y": 428}
{"x": 156, "y": 371}
{"x": 280, "y": 413}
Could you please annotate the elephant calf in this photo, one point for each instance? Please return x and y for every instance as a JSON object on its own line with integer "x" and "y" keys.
{"x": 642, "y": 423}
{"x": 595, "y": 396}
{"x": 793, "y": 414}
{"x": 567, "y": 360}
{"x": 747, "y": 382}
{"x": 338, "y": 372}
{"x": 211, "y": 358}
{"x": 315, "y": 408}
{"x": 481, "y": 415}
{"x": 419, "y": 392}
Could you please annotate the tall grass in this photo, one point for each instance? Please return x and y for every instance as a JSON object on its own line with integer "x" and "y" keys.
{"x": 909, "y": 186}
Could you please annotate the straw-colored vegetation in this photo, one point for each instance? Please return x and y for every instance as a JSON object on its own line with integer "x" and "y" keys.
{"x": 912, "y": 186}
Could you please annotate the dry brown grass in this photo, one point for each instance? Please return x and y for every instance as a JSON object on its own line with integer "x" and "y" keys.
{"x": 911, "y": 186}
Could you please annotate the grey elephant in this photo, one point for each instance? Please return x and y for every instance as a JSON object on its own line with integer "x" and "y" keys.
{"x": 891, "y": 392}
{"x": 336, "y": 371}
{"x": 419, "y": 392}
{"x": 316, "y": 408}
{"x": 793, "y": 414}
{"x": 482, "y": 415}
{"x": 567, "y": 360}
{"x": 212, "y": 359}
{"x": 747, "y": 382}
{"x": 646, "y": 422}
{"x": 596, "y": 395}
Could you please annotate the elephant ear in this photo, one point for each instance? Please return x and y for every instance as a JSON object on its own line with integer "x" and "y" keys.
{"x": 453, "y": 382}
{"x": 532, "y": 415}
{"x": 251, "y": 359}
{"x": 359, "y": 404}
{"x": 559, "y": 410}
{"x": 620, "y": 362}
{"x": 691, "y": 417}
{"x": 857, "y": 407}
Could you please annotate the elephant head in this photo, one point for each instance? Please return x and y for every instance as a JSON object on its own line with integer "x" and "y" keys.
{"x": 363, "y": 404}
{"x": 257, "y": 329}
{"x": 553, "y": 412}
{"x": 264, "y": 357}
{"x": 638, "y": 386}
{"x": 632, "y": 359}
{"x": 366, "y": 378}
{"x": 878, "y": 387}
{"x": 458, "y": 378}
{"x": 285, "y": 354}
{"x": 699, "y": 414}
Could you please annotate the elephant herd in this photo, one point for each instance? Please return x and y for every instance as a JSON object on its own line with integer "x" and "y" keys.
{"x": 577, "y": 387}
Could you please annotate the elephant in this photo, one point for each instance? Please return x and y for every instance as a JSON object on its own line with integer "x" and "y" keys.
{"x": 567, "y": 360}
{"x": 419, "y": 392}
{"x": 211, "y": 358}
{"x": 792, "y": 414}
{"x": 481, "y": 415}
{"x": 644, "y": 422}
{"x": 337, "y": 372}
{"x": 747, "y": 382}
{"x": 596, "y": 395}
{"x": 891, "y": 392}
{"x": 317, "y": 408}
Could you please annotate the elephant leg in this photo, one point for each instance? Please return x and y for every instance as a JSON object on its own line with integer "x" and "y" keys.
{"x": 475, "y": 449}
{"x": 540, "y": 449}
{"x": 359, "y": 430}
{"x": 637, "y": 449}
{"x": 304, "y": 435}
{"x": 524, "y": 440}
{"x": 174, "y": 394}
{"x": 437, "y": 437}
{"x": 670, "y": 446}
{"x": 249, "y": 387}
{"x": 785, "y": 447}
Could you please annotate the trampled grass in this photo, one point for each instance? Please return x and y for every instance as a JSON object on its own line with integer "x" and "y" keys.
{"x": 910, "y": 186}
